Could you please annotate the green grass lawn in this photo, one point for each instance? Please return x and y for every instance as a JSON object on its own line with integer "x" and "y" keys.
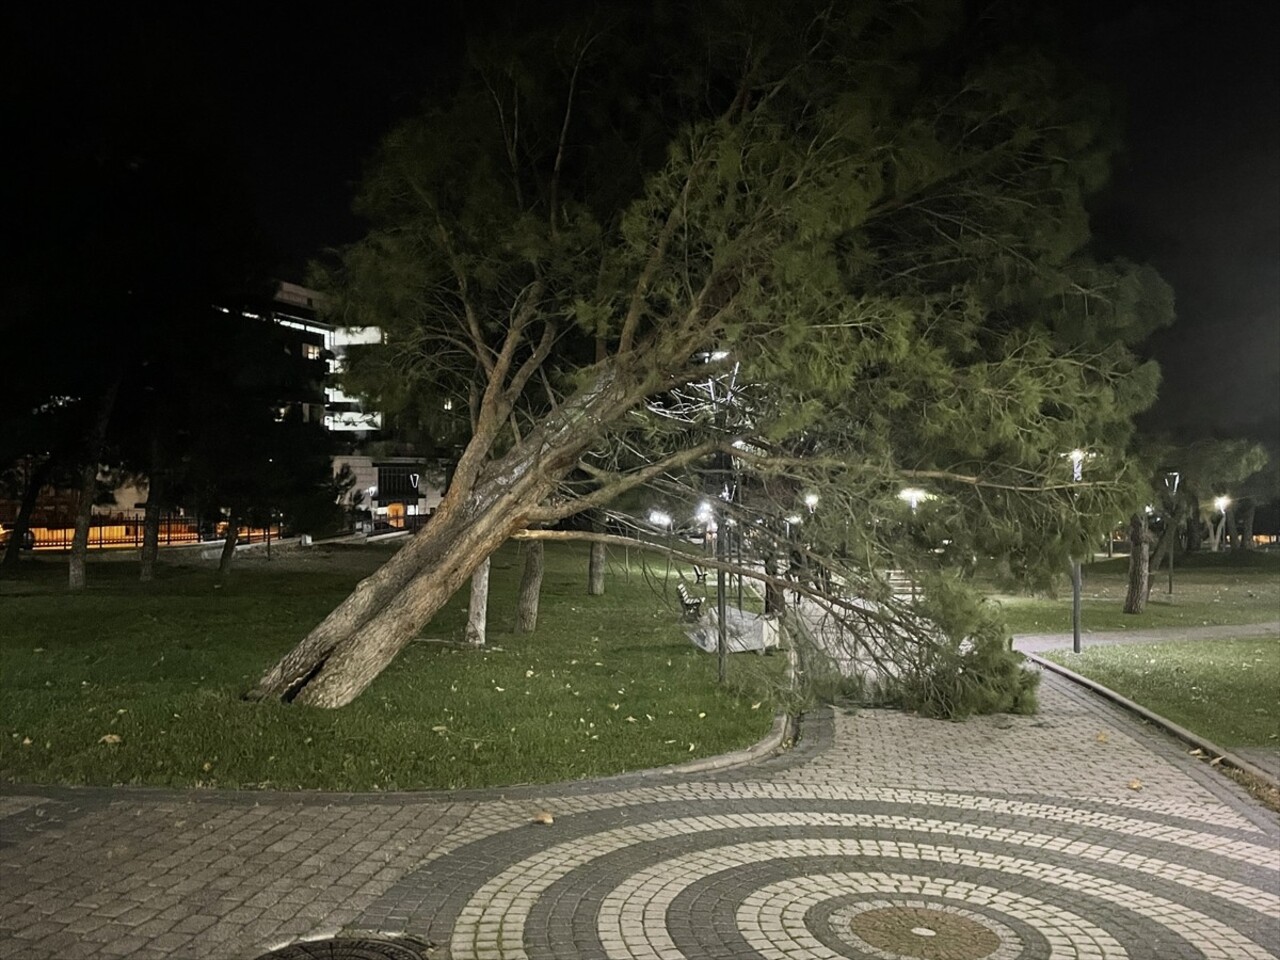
{"x": 1209, "y": 589}
{"x": 606, "y": 684}
{"x": 1224, "y": 690}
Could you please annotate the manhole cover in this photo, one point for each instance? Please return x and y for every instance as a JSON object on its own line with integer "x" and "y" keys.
{"x": 348, "y": 949}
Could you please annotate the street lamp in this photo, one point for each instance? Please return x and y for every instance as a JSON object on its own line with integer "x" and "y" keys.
{"x": 811, "y": 501}
{"x": 1171, "y": 480}
{"x": 914, "y": 496}
{"x": 660, "y": 519}
{"x": 1077, "y": 464}
{"x": 1078, "y": 458}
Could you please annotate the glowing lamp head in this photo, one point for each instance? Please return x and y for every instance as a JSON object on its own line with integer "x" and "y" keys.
{"x": 914, "y": 496}
{"x": 659, "y": 519}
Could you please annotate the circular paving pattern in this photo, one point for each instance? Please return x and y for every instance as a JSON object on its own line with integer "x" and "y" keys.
{"x": 927, "y": 931}
{"x": 724, "y": 872}
{"x": 930, "y": 931}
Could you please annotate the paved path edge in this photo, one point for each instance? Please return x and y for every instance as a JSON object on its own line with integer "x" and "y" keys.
{"x": 1182, "y": 733}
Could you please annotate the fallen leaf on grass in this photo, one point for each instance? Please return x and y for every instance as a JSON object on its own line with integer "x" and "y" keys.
{"x": 1197, "y": 752}
{"x": 109, "y": 738}
{"x": 1135, "y": 784}
{"x": 544, "y": 817}
{"x": 1103, "y": 737}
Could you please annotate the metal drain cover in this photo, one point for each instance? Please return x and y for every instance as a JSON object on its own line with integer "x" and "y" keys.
{"x": 345, "y": 948}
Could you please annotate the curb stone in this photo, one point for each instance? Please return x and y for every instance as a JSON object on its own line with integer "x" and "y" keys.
{"x": 1182, "y": 733}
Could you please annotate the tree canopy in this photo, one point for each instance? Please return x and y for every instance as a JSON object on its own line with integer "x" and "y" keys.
{"x": 826, "y": 250}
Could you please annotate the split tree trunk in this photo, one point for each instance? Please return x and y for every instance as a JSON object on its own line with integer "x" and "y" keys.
{"x": 486, "y": 503}
{"x": 1139, "y": 565}
{"x": 333, "y": 664}
{"x": 229, "y": 544}
{"x": 530, "y": 587}
{"x": 478, "y": 608}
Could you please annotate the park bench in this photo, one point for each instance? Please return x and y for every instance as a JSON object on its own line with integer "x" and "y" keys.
{"x": 699, "y": 575}
{"x": 902, "y": 585}
{"x": 692, "y": 605}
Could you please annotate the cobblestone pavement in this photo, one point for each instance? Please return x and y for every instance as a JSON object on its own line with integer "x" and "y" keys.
{"x": 1079, "y": 833}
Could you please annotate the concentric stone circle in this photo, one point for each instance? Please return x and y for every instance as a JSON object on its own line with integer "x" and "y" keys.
{"x": 896, "y": 875}
{"x": 926, "y": 932}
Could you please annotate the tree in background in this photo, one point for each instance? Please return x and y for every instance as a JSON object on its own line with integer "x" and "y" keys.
{"x": 873, "y": 218}
{"x": 132, "y": 226}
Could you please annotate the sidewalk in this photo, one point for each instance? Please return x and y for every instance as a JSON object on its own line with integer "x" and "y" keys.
{"x": 1079, "y": 832}
{"x": 1040, "y": 642}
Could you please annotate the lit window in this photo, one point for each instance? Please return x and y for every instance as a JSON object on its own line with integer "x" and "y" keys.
{"x": 311, "y": 351}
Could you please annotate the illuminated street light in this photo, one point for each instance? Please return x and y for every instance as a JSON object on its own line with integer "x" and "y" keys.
{"x": 1077, "y": 474}
{"x": 659, "y": 519}
{"x": 704, "y": 514}
{"x": 1171, "y": 480}
{"x": 1077, "y": 464}
{"x": 914, "y": 496}
{"x": 811, "y": 501}
{"x": 1221, "y": 503}
{"x": 795, "y": 519}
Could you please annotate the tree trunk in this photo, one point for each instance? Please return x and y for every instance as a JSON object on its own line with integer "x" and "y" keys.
{"x": 151, "y": 526}
{"x": 487, "y": 502}
{"x": 1244, "y": 532}
{"x": 595, "y": 570}
{"x": 1194, "y": 528}
{"x": 1139, "y": 565}
{"x": 229, "y": 544}
{"x": 22, "y": 523}
{"x": 775, "y": 599}
{"x": 530, "y": 587}
{"x": 478, "y": 608}
{"x": 1165, "y": 547}
{"x": 94, "y": 443}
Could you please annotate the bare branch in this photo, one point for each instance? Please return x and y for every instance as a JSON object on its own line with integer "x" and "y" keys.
{"x": 617, "y": 485}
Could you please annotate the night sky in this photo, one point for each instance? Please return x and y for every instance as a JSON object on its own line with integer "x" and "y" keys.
{"x": 300, "y": 102}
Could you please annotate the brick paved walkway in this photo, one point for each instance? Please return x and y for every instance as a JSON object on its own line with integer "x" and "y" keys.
{"x": 881, "y": 835}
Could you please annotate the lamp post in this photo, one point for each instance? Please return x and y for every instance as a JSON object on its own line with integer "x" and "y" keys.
{"x": 1077, "y": 474}
{"x": 1171, "y": 480}
{"x": 722, "y": 634}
